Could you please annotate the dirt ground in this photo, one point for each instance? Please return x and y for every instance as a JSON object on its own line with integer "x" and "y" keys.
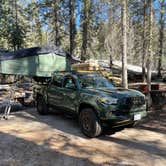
{"x": 29, "y": 139}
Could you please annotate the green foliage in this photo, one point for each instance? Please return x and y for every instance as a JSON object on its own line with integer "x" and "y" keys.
{"x": 95, "y": 29}
{"x": 12, "y": 28}
{"x": 35, "y": 33}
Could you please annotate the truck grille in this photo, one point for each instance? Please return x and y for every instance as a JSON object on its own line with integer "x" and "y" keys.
{"x": 125, "y": 104}
{"x": 135, "y": 101}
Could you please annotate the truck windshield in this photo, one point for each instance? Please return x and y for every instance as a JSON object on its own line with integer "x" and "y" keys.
{"x": 95, "y": 82}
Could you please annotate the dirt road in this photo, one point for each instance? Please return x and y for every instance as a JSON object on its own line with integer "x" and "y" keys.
{"x": 28, "y": 139}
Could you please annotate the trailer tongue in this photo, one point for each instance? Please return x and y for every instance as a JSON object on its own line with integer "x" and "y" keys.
{"x": 35, "y": 62}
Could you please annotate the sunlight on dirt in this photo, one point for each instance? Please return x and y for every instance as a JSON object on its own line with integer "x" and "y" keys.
{"x": 30, "y": 139}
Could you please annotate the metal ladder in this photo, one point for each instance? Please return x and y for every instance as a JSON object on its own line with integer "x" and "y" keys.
{"x": 7, "y": 103}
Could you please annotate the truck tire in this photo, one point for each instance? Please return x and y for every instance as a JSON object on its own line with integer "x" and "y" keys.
{"x": 41, "y": 105}
{"x": 89, "y": 123}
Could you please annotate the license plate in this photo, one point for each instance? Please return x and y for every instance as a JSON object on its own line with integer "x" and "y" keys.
{"x": 137, "y": 117}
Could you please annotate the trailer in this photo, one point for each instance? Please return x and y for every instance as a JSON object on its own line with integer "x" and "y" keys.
{"x": 38, "y": 63}
{"x": 35, "y": 62}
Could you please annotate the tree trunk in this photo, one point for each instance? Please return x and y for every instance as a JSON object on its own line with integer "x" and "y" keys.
{"x": 15, "y": 26}
{"x": 150, "y": 52}
{"x": 16, "y": 23}
{"x": 144, "y": 44}
{"x": 161, "y": 35}
{"x": 85, "y": 25}
{"x": 72, "y": 7}
{"x": 111, "y": 63}
{"x": 124, "y": 44}
{"x": 56, "y": 23}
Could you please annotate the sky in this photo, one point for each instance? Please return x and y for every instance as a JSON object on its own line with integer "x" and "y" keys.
{"x": 78, "y": 12}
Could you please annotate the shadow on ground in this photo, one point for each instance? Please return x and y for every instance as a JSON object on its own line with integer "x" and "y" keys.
{"x": 68, "y": 132}
{"x": 21, "y": 152}
{"x": 155, "y": 122}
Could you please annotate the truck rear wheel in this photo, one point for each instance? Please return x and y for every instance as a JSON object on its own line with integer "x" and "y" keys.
{"x": 89, "y": 123}
{"x": 41, "y": 105}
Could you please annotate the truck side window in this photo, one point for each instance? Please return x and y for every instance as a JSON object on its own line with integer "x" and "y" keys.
{"x": 69, "y": 83}
{"x": 57, "y": 81}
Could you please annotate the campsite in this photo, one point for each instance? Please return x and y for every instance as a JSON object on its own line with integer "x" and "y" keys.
{"x": 28, "y": 137}
{"x": 83, "y": 83}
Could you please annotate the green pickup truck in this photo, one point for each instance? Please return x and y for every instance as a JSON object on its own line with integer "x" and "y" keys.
{"x": 96, "y": 102}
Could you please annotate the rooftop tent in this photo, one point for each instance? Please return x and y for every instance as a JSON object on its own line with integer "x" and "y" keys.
{"x": 36, "y": 61}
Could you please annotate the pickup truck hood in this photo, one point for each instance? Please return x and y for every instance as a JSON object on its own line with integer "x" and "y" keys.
{"x": 116, "y": 92}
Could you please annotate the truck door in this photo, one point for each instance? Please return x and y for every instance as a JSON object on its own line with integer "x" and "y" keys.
{"x": 70, "y": 94}
{"x": 55, "y": 93}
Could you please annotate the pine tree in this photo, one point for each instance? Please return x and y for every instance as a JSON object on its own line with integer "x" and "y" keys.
{"x": 72, "y": 13}
{"x": 150, "y": 51}
{"x": 12, "y": 24}
{"x": 124, "y": 44}
{"x": 161, "y": 34}
{"x": 144, "y": 34}
{"x": 35, "y": 25}
{"x": 85, "y": 26}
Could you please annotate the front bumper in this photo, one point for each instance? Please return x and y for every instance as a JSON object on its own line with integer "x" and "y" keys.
{"x": 118, "y": 120}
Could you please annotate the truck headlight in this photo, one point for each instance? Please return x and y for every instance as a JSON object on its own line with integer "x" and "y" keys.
{"x": 107, "y": 100}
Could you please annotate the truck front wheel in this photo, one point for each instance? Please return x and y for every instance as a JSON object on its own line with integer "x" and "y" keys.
{"x": 89, "y": 123}
{"x": 41, "y": 105}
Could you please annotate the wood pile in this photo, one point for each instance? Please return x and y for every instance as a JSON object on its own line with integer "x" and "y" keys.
{"x": 113, "y": 78}
{"x": 20, "y": 93}
{"x": 8, "y": 91}
{"x": 87, "y": 66}
{"x": 7, "y": 79}
{"x": 94, "y": 66}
